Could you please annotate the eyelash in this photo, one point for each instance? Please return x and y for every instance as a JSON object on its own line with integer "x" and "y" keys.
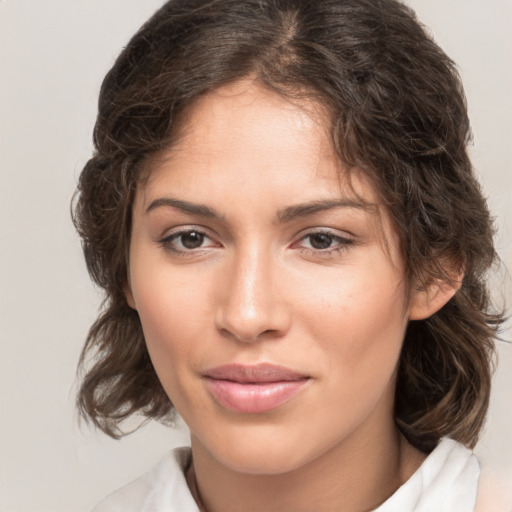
{"x": 342, "y": 243}
{"x": 167, "y": 242}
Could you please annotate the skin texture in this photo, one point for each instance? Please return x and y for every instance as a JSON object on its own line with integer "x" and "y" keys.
{"x": 256, "y": 289}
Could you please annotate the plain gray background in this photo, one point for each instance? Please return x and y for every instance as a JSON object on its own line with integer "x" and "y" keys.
{"x": 53, "y": 55}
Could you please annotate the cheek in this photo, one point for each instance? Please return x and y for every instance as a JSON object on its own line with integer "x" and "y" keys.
{"x": 171, "y": 307}
{"x": 357, "y": 316}
{"x": 172, "y": 332}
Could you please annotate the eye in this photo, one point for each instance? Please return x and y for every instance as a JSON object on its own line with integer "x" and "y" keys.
{"x": 324, "y": 243}
{"x": 186, "y": 241}
{"x": 190, "y": 239}
{"x": 320, "y": 241}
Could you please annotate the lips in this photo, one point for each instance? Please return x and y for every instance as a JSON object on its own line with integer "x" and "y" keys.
{"x": 253, "y": 388}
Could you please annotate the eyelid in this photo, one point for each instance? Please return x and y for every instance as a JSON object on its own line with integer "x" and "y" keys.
{"x": 167, "y": 239}
{"x": 342, "y": 242}
{"x": 337, "y": 233}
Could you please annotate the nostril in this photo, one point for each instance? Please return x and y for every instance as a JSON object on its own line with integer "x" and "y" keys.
{"x": 227, "y": 334}
{"x": 248, "y": 336}
{"x": 269, "y": 333}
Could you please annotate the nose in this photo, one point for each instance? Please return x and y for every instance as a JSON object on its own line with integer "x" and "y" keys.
{"x": 250, "y": 307}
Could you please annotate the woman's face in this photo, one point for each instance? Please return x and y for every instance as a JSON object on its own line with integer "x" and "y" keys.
{"x": 272, "y": 307}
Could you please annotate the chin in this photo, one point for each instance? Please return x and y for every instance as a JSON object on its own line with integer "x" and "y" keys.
{"x": 262, "y": 451}
{"x": 258, "y": 462}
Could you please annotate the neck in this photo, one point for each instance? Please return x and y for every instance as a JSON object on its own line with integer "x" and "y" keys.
{"x": 355, "y": 475}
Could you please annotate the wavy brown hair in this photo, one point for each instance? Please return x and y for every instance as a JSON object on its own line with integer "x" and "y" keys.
{"x": 398, "y": 113}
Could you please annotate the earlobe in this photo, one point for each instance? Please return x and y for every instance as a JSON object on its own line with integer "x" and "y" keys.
{"x": 428, "y": 300}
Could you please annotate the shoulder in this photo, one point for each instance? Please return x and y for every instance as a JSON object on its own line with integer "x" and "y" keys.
{"x": 447, "y": 481}
{"x": 161, "y": 489}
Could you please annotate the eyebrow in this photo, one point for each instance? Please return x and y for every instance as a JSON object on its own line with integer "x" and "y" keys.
{"x": 283, "y": 216}
{"x": 186, "y": 207}
{"x": 303, "y": 210}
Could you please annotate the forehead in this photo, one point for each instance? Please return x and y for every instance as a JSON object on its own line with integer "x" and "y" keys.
{"x": 247, "y": 135}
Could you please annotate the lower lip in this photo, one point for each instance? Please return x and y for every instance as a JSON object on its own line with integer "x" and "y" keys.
{"x": 254, "y": 397}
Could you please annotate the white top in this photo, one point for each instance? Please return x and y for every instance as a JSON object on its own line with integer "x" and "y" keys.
{"x": 447, "y": 481}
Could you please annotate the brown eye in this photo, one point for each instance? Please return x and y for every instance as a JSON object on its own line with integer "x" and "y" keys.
{"x": 187, "y": 241}
{"x": 191, "y": 239}
{"x": 323, "y": 244}
{"x": 320, "y": 240}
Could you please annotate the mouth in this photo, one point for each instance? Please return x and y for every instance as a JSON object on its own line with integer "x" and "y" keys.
{"x": 253, "y": 388}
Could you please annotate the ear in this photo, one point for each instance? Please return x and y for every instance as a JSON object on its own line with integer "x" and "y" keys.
{"x": 426, "y": 301}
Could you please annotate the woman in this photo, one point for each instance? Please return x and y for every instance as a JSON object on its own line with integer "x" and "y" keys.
{"x": 293, "y": 245}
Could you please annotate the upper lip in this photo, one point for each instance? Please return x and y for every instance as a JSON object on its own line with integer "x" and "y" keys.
{"x": 255, "y": 373}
